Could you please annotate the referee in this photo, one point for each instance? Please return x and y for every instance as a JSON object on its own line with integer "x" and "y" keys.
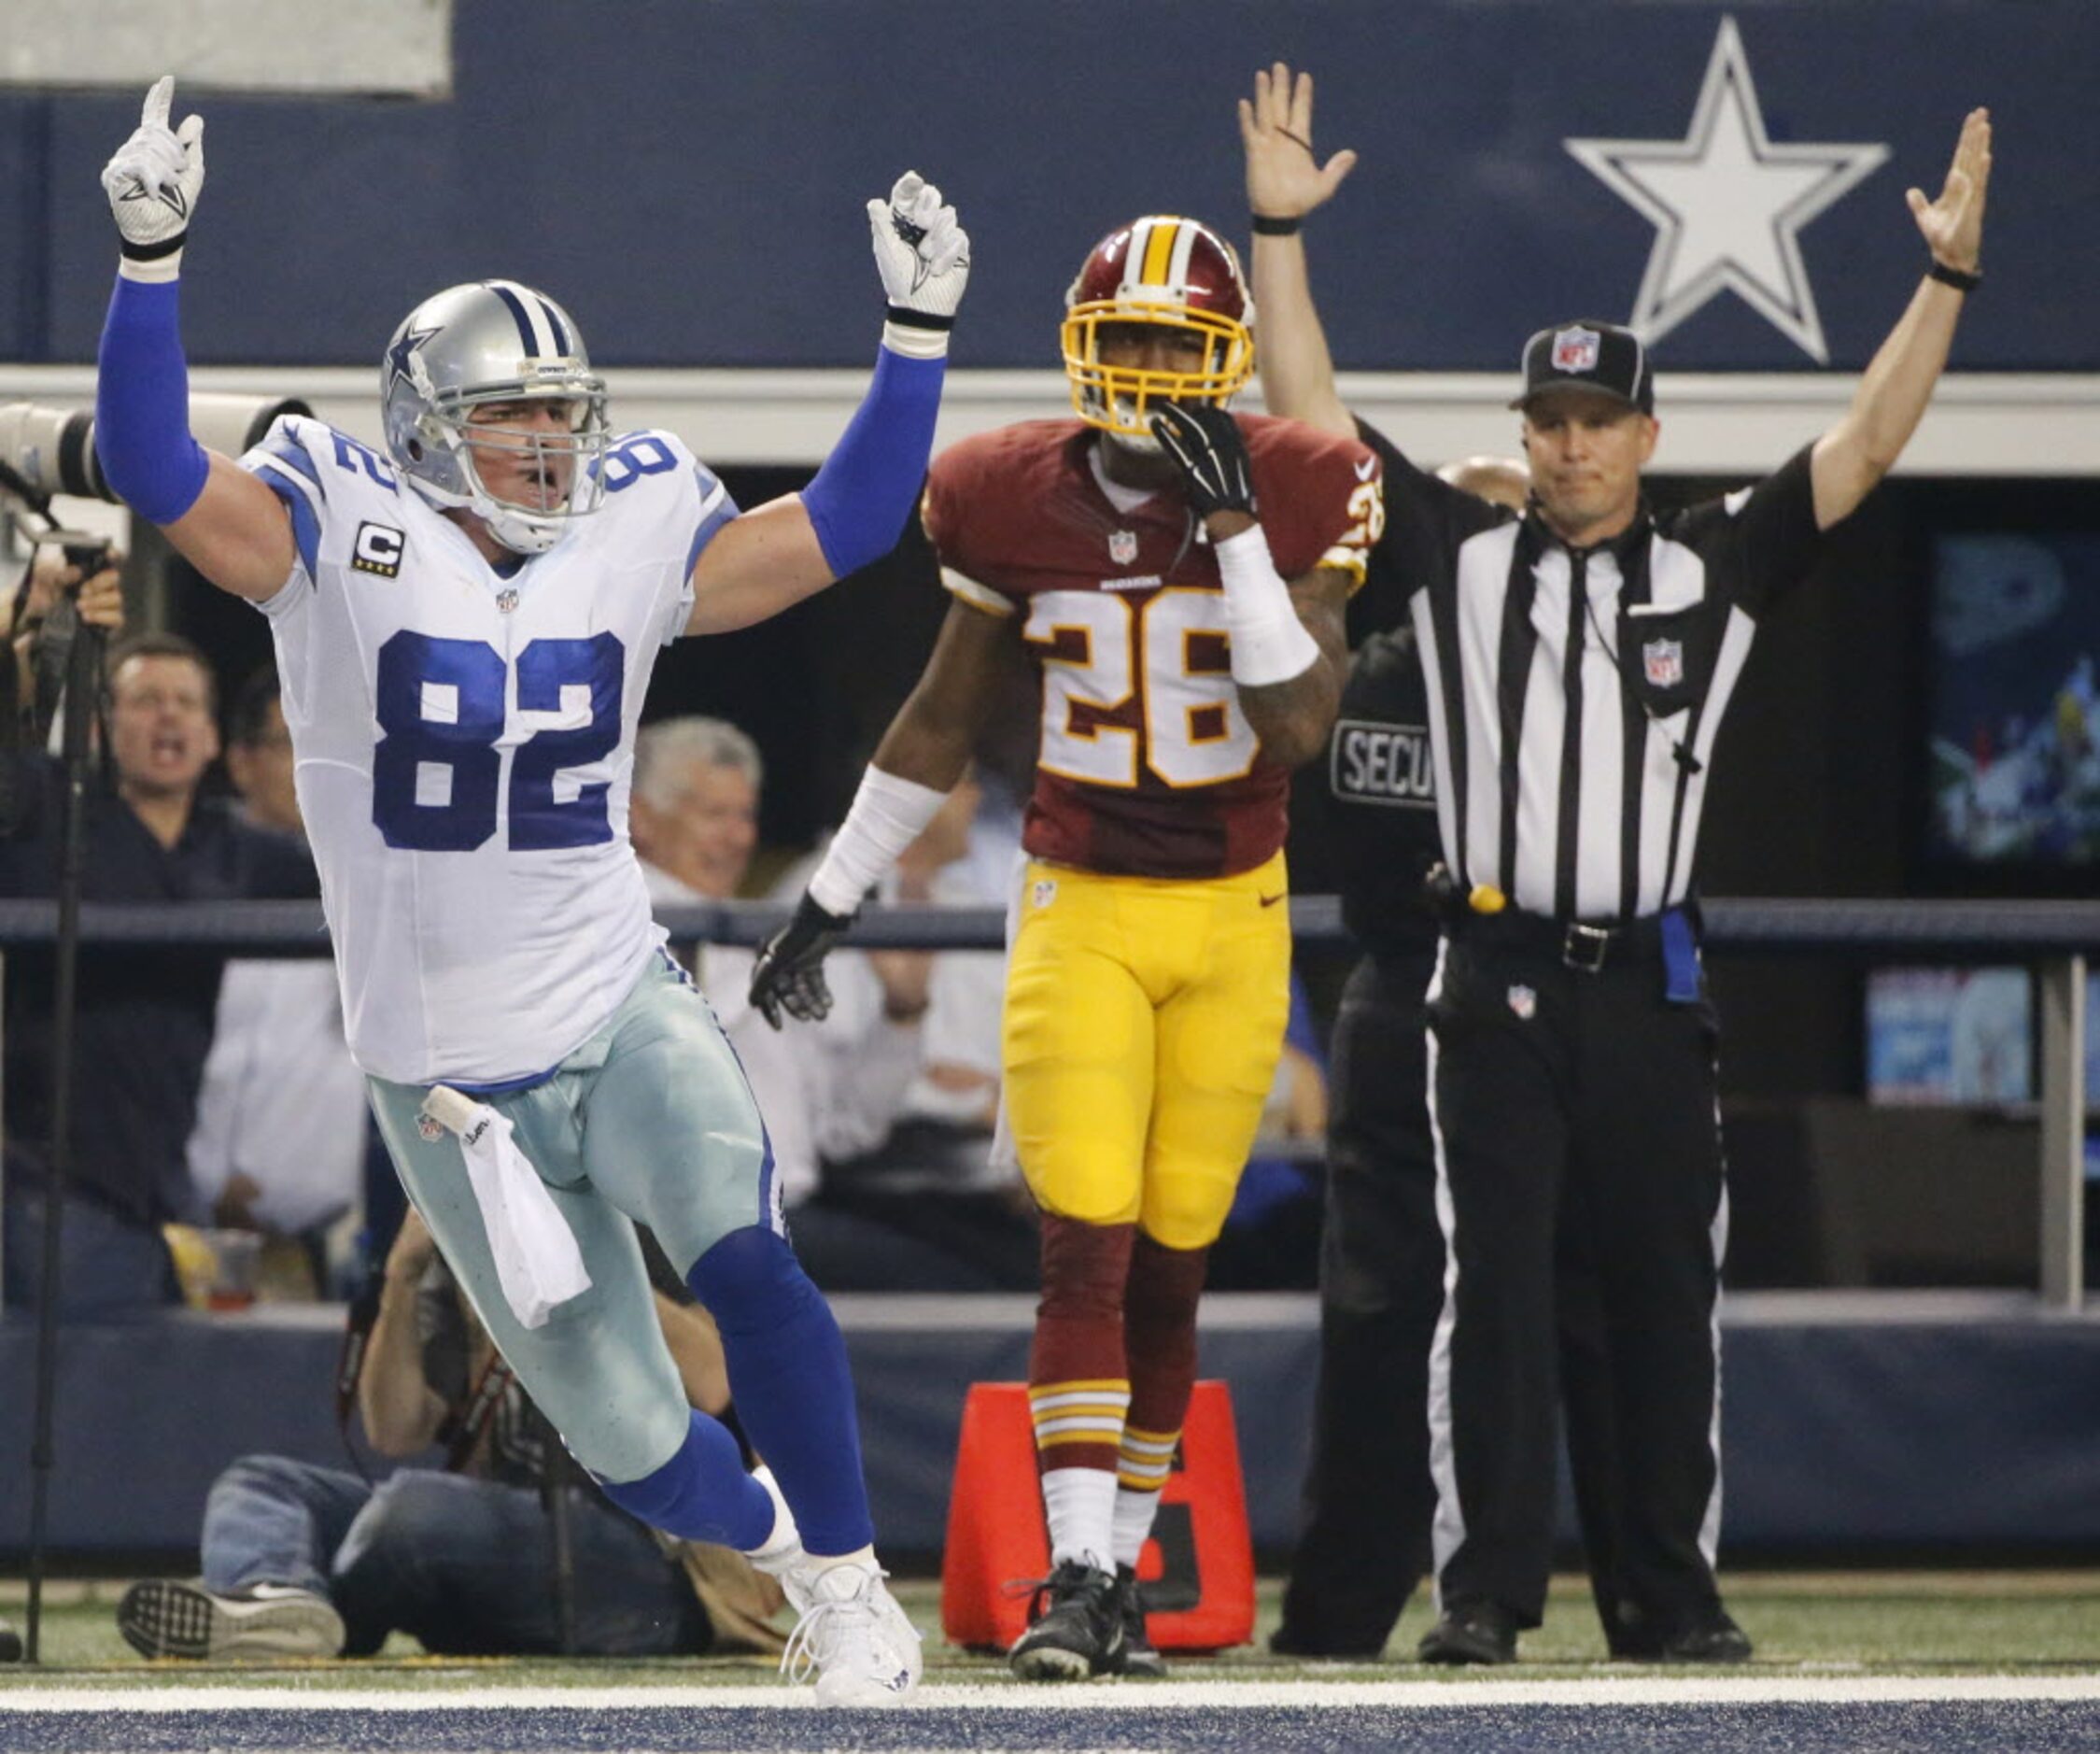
{"x": 1368, "y": 1498}
{"x": 1579, "y": 659}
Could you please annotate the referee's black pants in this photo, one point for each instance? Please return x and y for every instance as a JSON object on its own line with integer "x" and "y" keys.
{"x": 1368, "y": 1496}
{"x": 1563, "y": 1095}
{"x": 1365, "y": 1536}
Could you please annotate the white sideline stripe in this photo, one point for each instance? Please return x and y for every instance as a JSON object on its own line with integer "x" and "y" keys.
{"x": 1013, "y": 1696}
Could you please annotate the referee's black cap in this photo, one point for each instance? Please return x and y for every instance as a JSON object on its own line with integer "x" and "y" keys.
{"x": 1589, "y": 354}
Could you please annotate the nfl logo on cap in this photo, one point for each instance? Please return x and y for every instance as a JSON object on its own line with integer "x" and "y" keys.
{"x": 1575, "y": 350}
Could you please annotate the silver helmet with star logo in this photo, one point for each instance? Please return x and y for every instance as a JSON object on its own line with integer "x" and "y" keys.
{"x": 490, "y": 406}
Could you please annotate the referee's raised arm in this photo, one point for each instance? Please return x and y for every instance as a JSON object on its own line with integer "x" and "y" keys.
{"x": 1853, "y": 456}
{"x": 1286, "y": 181}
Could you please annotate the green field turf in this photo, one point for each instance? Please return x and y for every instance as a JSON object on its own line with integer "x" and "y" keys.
{"x": 1803, "y": 1623}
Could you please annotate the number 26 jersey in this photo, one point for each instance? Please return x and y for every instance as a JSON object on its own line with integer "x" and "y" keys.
{"x": 463, "y": 742}
{"x": 1147, "y": 766}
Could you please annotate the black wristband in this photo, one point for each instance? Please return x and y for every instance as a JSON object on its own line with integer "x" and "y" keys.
{"x": 1954, "y": 277}
{"x": 1266, "y": 225}
{"x": 151, "y": 252}
{"x": 911, "y": 319}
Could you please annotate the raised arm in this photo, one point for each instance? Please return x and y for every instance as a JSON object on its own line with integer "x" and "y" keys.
{"x": 1285, "y": 181}
{"x": 1853, "y": 456}
{"x": 855, "y": 508}
{"x": 225, "y": 522}
{"x": 916, "y": 765}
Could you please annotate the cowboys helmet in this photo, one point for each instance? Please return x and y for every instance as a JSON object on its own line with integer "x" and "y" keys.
{"x": 1165, "y": 273}
{"x": 466, "y": 349}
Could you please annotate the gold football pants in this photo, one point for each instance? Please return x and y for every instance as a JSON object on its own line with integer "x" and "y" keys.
{"x": 1144, "y": 1019}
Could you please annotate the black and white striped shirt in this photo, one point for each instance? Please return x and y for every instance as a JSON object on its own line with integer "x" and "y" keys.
{"x": 1574, "y": 695}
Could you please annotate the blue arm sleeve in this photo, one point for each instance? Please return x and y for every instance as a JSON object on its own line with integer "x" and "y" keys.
{"x": 142, "y": 404}
{"x": 860, "y": 499}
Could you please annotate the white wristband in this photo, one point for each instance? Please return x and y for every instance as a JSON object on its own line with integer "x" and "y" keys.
{"x": 154, "y": 271}
{"x": 1269, "y": 643}
{"x": 913, "y": 342}
{"x": 888, "y": 815}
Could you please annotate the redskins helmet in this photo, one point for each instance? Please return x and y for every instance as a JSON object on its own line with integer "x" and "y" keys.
{"x": 1170, "y": 274}
{"x": 494, "y": 342}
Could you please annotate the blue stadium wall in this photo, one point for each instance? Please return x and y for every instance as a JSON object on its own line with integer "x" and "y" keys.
{"x": 687, "y": 174}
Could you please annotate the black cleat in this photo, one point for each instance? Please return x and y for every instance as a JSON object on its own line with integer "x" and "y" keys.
{"x": 1482, "y": 1632}
{"x": 1138, "y": 1658}
{"x": 1075, "y": 1629}
{"x": 1717, "y": 1640}
{"x": 1714, "y": 1638}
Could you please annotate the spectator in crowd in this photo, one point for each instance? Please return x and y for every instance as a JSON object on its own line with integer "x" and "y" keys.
{"x": 1572, "y": 1078}
{"x": 836, "y": 1094}
{"x": 279, "y": 1142}
{"x": 694, "y": 819}
{"x": 144, "y": 1017}
{"x": 945, "y": 1178}
{"x": 301, "y": 1560}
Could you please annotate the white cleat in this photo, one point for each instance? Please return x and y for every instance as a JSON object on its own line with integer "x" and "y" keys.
{"x": 852, "y": 1636}
{"x": 266, "y": 1622}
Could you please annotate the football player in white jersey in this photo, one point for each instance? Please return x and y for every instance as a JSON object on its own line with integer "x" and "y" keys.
{"x": 465, "y": 626}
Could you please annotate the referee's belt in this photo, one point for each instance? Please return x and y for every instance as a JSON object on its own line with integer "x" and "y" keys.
{"x": 1587, "y": 946}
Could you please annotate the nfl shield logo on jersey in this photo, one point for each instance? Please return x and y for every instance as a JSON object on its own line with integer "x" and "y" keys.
{"x": 1575, "y": 350}
{"x": 1662, "y": 661}
{"x": 1524, "y": 1003}
{"x": 1122, "y": 547}
{"x": 1043, "y": 892}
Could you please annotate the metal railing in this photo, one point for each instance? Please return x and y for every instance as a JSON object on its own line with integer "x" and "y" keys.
{"x": 2055, "y": 937}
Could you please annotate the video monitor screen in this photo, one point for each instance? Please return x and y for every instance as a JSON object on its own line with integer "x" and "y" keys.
{"x": 1938, "y": 1036}
{"x": 2012, "y": 700}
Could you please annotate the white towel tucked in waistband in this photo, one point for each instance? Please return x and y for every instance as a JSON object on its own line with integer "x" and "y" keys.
{"x": 537, "y": 1260}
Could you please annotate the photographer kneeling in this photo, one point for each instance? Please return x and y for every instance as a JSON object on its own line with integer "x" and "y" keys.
{"x": 301, "y": 1560}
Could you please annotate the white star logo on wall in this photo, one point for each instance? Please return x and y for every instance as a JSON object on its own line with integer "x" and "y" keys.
{"x": 1729, "y": 205}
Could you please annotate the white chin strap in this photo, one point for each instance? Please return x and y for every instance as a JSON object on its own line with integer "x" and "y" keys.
{"x": 518, "y": 530}
{"x": 521, "y": 532}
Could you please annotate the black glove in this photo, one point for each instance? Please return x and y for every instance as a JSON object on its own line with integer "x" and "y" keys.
{"x": 788, "y": 975}
{"x": 1205, "y": 441}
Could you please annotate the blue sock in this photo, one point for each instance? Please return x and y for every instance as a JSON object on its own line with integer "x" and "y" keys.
{"x": 794, "y": 1394}
{"x": 702, "y": 1493}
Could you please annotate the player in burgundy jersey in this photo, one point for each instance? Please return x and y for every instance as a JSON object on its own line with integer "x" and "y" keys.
{"x": 1177, "y": 575}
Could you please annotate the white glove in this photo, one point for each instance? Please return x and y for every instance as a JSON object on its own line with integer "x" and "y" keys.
{"x": 153, "y": 184}
{"x": 924, "y": 257}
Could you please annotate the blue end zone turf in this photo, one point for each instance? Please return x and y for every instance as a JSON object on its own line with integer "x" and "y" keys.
{"x": 1124, "y": 1718}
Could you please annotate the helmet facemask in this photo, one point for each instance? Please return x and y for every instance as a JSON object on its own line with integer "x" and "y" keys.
{"x": 553, "y": 475}
{"x": 1122, "y": 399}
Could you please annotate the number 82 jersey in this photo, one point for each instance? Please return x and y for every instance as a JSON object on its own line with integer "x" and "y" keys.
{"x": 463, "y": 746}
{"x": 1147, "y": 766}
